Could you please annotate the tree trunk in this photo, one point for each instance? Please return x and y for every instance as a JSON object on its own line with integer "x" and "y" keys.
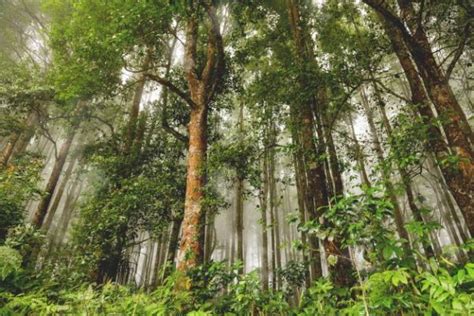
{"x": 359, "y": 156}
{"x": 342, "y": 271}
{"x": 300, "y": 191}
{"x": 272, "y": 248}
{"x": 18, "y": 142}
{"x": 239, "y": 220}
{"x": 59, "y": 232}
{"x": 316, "y": 190}
{"x": 190, "y": 253}
{"x": 460, "y": 183}
{"x": 202, "y": 89}
{"x": 274, "y": 212}
{"x": 263, "y": 208}
{"x": 135, "y": 106}
{"x": 8, "y": 149}
{"x": 59, "y": 195}
{"x": 406, "y": 180}
{"x": 43, "y": 206}
{"x": 398, "y": 216}
{"x": 174, "y": 240}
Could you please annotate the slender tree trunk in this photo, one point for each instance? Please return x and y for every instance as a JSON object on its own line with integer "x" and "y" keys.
{"x": 174, "y": 240}
{"x": 239, "y": 220}
{"x": 272, "y": 248}
{"x": 300, "y": 188}
{"x": 263, "y": 209}
{"x": 232, "y": 249}
{"x": 274, "y": 212}
{"x": 359, "y": 156}
{"x": 398, "y": 216}
{"x": 18, "y": 142}
{"x": 406, "y": 180}
{"x": 135, "y": 106}
{"x": 239, "y": 200}
{"x": 59, "y": 195}
{"x": 43, "y": 206}
{"x": 59, "y": 232}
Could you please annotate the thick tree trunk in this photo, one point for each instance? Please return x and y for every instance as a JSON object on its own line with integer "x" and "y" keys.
{"x": 190, "y": 253}
{"x": 454, "y": 121}
{"x": 460, "y": 183}
{"x": 202, "y": 88}
{"x": 342, "y": 271}
{"x": 316, "y": 190}
{"x": 316, "y": 177}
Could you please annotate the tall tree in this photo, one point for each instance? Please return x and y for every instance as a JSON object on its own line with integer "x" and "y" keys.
{"x": 453, "y": 119}
{"x": 203, "y": 82}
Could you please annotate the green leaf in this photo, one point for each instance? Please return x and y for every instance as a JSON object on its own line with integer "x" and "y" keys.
{"x": 387, "y": 252}
{"x": 332, "y": 260}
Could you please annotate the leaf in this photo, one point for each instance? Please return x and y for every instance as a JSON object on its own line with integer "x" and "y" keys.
{"x": 387, "y": 252}
{"x": 438, "y": 307}
{"x": 332, "y": 260}
{"x": 461, "y": 275}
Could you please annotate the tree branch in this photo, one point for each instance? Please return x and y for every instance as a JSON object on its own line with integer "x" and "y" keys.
{"x": 172, "y": 131}
{"x": 215, "y": 59}
{"x": 183, "y": 95}
{"x": 459, "y": 51}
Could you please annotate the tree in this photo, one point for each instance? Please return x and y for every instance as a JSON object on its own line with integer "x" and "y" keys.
{"x": 453, "y": 119}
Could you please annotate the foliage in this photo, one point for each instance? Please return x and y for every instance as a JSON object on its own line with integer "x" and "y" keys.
{"x": 18, "y": 183}
{"x": 10, "y": 262}
{"x": 281, "y": 73}
{"x": 218, "y": 291}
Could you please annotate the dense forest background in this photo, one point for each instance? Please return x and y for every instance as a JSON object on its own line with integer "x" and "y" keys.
{"x": 212, "y": 157}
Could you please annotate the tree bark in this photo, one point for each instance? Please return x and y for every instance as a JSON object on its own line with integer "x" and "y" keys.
{"x": 300, "y": 191}
{"x": 59, "y": 195}
{"x": 191, "y": 248}
{"x": 135, "y": 106}
{"x": 263, "y": 209}
{"x": 59, "y": 232}
{"x": 18, "y": 141}
{"x": 359, "y": 156}
{"x": 202, "y": 89}
{"x": 8, "y": 149}
{"x": 41, "y": 210}
{"x": 460, "y": 182}
{"x": 174, "y": 240}
{"x": 302, "y": 116}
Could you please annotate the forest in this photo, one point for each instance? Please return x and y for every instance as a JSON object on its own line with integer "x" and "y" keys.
{"x": 236, "y": 157}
